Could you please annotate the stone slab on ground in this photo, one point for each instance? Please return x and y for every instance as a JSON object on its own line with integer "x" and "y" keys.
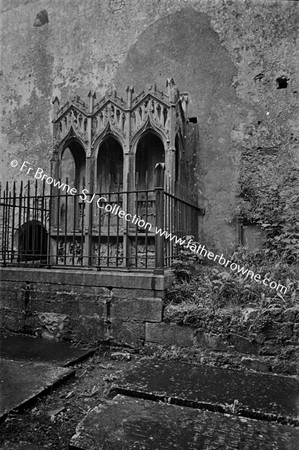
{"x": 22, "y": 381}
{"x": 127, "y": 423}
{"x": 260, "y": 396}
{"x": 21, "y": 347}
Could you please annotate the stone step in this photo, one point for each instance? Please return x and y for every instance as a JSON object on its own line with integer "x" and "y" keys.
{"x": 130, "y": 423}
{"x": 259, "y": 396}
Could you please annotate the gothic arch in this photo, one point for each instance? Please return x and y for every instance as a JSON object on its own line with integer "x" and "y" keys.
{"x": 108, "y": 132}
{"x": 72, "y": 136}
{"x": 31, "y": 241}
{"x": 148, "y": 126}
{"x": 150, "y": 150}
{"x": 109, "y": 164}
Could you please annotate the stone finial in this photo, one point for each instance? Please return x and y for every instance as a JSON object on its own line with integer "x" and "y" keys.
{"x": 56, "y": 104}
{"x": 151, "y": 87}
{"x": 56, "y": 101}
{"x": 92, "y": 96}
{"x": 130, "y": 92}
{"x": 172, "y": 91}
{"x": 184, "y": 103}
{"x": 170, "y": 82}
{"x": 111, "y": 91}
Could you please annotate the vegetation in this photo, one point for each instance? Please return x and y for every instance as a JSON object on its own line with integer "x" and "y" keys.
{"x": 200, "y": 282}
{"x": 269, "y": 197}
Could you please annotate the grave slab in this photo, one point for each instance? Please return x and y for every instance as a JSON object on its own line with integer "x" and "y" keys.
{"x": 22, "y": 381}
{"x": 20, "y": 347}
{"x": 255, "y": 395}
{"x": 127, "y": 423}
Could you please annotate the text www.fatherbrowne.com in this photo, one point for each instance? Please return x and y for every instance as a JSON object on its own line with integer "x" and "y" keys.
{"x": 102, "y": 203}
{"x": 203, "y": 251}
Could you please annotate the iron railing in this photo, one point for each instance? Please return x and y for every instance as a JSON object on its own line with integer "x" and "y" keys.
{"x": 100, "y": 230}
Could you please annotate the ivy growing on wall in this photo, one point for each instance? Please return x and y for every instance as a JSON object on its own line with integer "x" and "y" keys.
{"x": 269, "y": 197}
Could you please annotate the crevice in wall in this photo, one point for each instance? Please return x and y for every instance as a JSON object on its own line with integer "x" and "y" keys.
{"x": 41, "y": 18}
{"x": 282, "y": 82}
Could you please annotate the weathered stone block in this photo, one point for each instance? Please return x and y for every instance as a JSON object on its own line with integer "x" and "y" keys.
{"x": 260, "y": 338}
{"x": 53, "y": 326}
{"x": 168, "y": 334}
{"x": 58, "y": 305}
{"x": 256, "y": 364}
{"x": 12, "y": 320}
{"x": 12, "y": 298}
{"x": 278, "y": 332}
{"x": 32, "y": 325}
{"x": 285, "y": 367}
{"x": 45, "y": 296}
{"x": 270, "y": 349}
{"x": 91, "y": 305}
{"x": 211, "y": 341}
{"x": 132, "y": 333}
{"x": 10, "y": 285}
{"x": 140, "y": 309}
{"x": 243, "y": 345}
{"x": 88, "y": 329}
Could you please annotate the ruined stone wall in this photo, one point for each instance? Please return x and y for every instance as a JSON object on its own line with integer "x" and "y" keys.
{"x": 226, "y": 53}
{"x": 262, "y": 339}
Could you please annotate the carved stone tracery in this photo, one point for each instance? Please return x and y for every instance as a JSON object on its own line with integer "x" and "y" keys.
{"x": 150, "y": 109}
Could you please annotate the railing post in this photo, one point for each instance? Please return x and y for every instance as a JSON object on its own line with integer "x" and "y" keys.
{"x": 126, "y": 207}
{"x": 4, "y": 228}
{"x": 159, "y": 193}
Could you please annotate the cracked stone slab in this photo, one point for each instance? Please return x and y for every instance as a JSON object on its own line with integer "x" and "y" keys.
{"x": 130, "y": 423}
{"x": 22, "y": 381}
{"x": 256, "y": 395}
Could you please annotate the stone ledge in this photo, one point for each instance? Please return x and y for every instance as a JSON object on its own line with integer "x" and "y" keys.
{"x": 111, "y": 279}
